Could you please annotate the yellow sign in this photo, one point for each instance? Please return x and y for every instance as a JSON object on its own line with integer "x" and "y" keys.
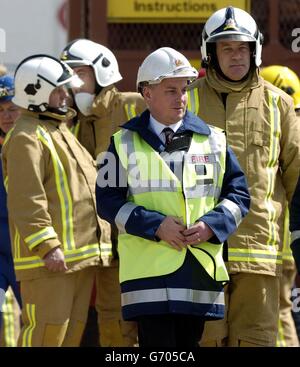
{"x": 168, "y": 11}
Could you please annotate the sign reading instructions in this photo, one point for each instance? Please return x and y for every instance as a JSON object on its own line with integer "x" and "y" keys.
{"x": 168, "y": 11}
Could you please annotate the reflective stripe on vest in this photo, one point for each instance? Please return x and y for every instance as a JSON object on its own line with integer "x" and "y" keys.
{"x": 254, "y": 255}
{"x": 172, "y": 294}
{"x": 271, "y": 168}
{"x": 123, "y": 215}
{"x": 153, "y": 185}
{"x": 62, "y": 187}
{"x": 193, "y": 100}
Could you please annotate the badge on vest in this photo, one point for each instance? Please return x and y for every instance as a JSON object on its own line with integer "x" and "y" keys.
{"x": 200, "y": 169}
{"x": 200, "y": 158}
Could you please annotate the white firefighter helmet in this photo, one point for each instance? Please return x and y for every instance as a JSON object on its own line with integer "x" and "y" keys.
{"x": 231, "y": 24}
{"x": 164, "y": 63}
{"x": 36, "y": 77}
{"x": 83, "y": 52}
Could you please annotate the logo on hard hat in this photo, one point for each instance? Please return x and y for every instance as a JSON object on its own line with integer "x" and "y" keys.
{"x": 64, "y": 55}
{"x": 179, "y": 62}
{"x": 32, "y": 89}
{"x": 230, "y": 24}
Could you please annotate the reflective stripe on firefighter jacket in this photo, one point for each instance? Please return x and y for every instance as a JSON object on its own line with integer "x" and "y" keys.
{"x": 262, "y": 129}
{"x": 154, "y": 186}
{"x": 50, "y": 184}
{"x": 287, "y": 255}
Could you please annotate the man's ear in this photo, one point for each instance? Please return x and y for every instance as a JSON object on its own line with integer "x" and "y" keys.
{"x": 147, "y": 93}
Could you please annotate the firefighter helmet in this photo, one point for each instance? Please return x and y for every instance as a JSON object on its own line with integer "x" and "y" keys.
{"x": 83, "y": 52}
{"x": 231, "y": 24}
{"x": 36, "y": 77}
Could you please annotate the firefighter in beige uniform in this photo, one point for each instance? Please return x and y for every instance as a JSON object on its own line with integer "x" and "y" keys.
{"x": 102, "y": 110}
{"x": 287, "y": 80}
{"x": 262, "y": 128}
{"x": 55, "y": 230}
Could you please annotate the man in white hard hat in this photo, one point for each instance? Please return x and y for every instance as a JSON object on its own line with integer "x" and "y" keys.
{"x": 263, "y": 131}
{"x": 175, "y": 191}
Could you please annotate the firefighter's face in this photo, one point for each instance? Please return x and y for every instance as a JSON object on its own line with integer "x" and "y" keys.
{"x": 87, "y": 75}
{"x": 167, "y": 100}
{"x": 59, "y": 97}
{"x": 233, "y": 58}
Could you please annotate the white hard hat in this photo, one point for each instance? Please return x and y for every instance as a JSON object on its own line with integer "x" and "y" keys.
{"x": 162, "y": 64}
{"x": 83, "y": 52}
{"x": 232, "y": 24}
{"x": 36, "y": 77}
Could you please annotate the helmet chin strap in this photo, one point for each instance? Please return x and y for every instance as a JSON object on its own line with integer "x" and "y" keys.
{"x": 58, "y": 110}
{"x": 38, "y": 108}
{"x": 44, "y": 107}
{"x": 98, "y": 89}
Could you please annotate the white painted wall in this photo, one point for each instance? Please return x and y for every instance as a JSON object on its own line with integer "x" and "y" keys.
{"x": 29, "y": 27}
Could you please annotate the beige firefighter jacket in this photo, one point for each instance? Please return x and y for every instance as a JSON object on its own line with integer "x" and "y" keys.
{"x": 50, "y": 180}
{"x": 110, "y": 109}
{"x": 263, "y": 131}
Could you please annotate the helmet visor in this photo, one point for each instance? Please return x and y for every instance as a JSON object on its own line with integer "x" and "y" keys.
{"x": 231, "y": 36}
{"x": 73, "y": 82}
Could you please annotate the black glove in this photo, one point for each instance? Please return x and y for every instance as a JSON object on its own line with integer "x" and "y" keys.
{"x": 295, "y": 246}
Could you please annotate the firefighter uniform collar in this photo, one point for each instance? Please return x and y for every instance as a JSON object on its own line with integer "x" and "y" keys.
{"x": 103, "y": 101}
{"x": 225, "y": 86}
{"x": 56, "y": 117}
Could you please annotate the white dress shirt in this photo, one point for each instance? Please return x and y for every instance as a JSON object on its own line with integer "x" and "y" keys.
{"x": 157, "y": 128}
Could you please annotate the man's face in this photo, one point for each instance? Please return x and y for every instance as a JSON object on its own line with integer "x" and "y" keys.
{"x": 87, "y": 75}
{"x": 167, "y": 100}
{"x": 9, "y": 112}
{"x": 233, "y": 58}
{"x": 59, "y": 97}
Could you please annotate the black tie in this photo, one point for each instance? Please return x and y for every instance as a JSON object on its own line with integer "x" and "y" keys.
{"x": 168, "y": 134}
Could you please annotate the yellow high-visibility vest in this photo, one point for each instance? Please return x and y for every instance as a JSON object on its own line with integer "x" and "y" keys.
{"x": 153, "y": 185}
